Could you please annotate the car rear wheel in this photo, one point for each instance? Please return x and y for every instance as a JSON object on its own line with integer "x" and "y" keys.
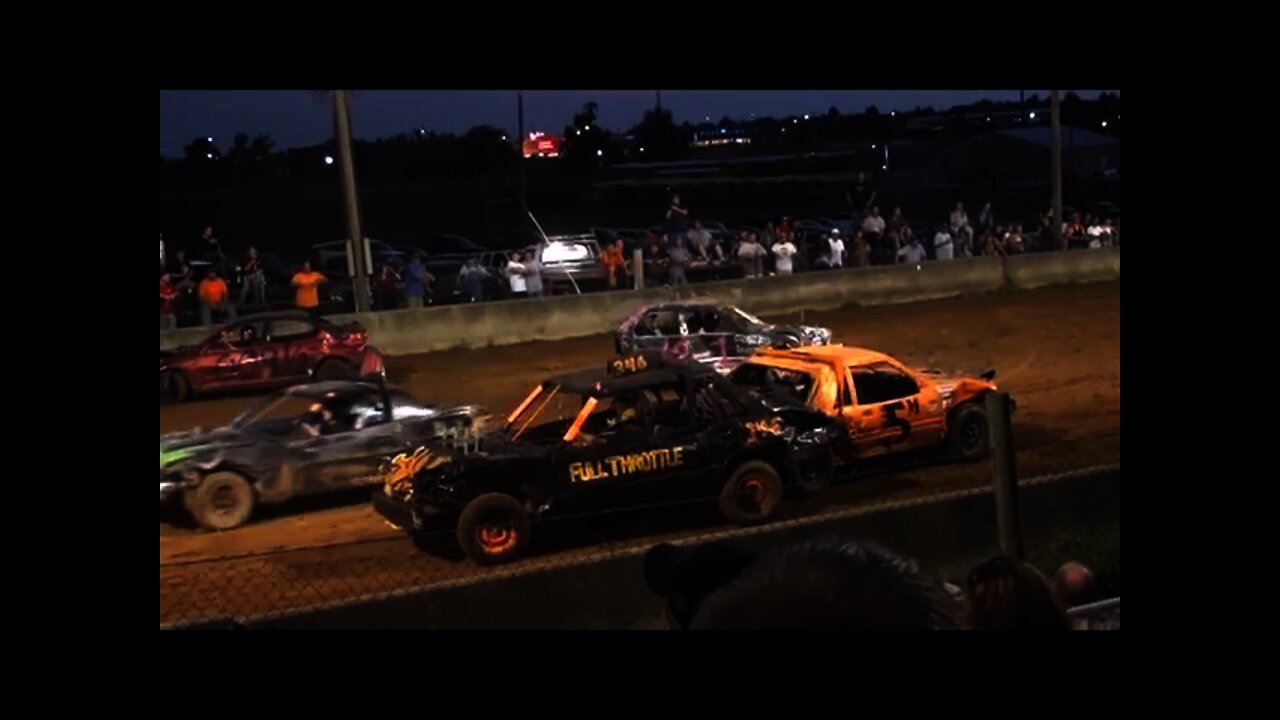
{"x": 174, "y": 387}
{"x": 494, "y": 529}
{"x": 969, "y": 437}
{"x": 753, "y": 493}
{"x": 223, "y": 500}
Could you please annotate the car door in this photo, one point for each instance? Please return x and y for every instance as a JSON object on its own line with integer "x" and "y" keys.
{"x": 351, "y": 455}
{"x": 710, "y": 335}
{"x": 225, "y": 356}
{"x": 891, "y": 410}
{"x": 292, "y": 349}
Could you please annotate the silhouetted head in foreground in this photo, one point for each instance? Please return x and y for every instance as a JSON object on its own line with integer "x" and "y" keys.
{"x": 1009, "y": 595}
{"x": 684, "y": 577}
{"x": 1074, "y": 585}
{"x": 830, "y": 584}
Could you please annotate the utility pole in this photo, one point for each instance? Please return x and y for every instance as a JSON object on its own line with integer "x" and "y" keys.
{"x": 524, "y": 197}
{"x": 357, "y": 258}
{"x": 1056, "y": 138}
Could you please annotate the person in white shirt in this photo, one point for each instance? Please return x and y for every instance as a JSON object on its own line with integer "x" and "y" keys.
{"x": 942, "y": 245}
{"x": 960, "y": 227}
{"x": 750, "y": 254}
{"x": 837, "y": 248}
{"x": 873, "y": 224}
{"x": 784, "y": 251}
{"x": 515, "y": 275}
{"x": 912, "y": 253}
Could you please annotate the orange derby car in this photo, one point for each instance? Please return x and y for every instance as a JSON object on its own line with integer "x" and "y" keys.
{"x": 884, "y": 405}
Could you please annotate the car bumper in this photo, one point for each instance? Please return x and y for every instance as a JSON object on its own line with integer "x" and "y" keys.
{"x": 408, "y": 517}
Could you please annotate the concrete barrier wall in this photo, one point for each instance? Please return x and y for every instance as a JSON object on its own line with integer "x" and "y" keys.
{"x": 946, "y": 536}
{"x": 503, "y": 323}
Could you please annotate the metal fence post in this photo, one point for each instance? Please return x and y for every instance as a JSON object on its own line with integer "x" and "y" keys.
{"x": 637, "y": 265}
{"x": 1004, "y": 475}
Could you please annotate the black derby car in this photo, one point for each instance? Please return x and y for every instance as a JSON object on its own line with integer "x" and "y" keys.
{"x": 639, "y": 432}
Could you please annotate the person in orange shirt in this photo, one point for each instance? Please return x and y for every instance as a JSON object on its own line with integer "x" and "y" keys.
{"x": 613, "y": 259}
{"x": 307, "y": 281}
{"x": 214, "y": 296}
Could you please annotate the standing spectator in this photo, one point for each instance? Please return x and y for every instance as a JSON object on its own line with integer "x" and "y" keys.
{"x": 750, "y": 255}
{"x": 471, "y": 279}
{"x": 307, "y": 281}
{"x": 417, "y": 281}
{"x": 836, "y": 244}
{"x": 943, "y": 248}
{"x": 986, "y": 218}
{"x": 655, "y": 259}
{"x": 677, "y": 218}
{"x": 515, "y": 275}
{"x": 873, "y": 224}
{"x": 784, "y": 250}
{"x": 214, "y": 297}
{"x": 700, "y": 238}
{"x": 912, "y": 253}
{"x": 614, "y": 260}
{"x": 387, "y": 288}
{"x": 990, "y": 243}
{"x": 168, "y": 298}
{"x": 769, "y": 235}
{"x": 533, "y": 275}
{"x": 898, "y": 224}
{"x": 961, "y": 232}
{"x": 861, "y": 250}
{"x": 895, "y": 235}
{"x": 1074, "y": 233}
{"x": 860, "y": 196}
{"x": 678, "y": 258}
{"x": 213, "y": 251}
{"x": 1013, "y": 242}
{"x": 178, "y": 267}
{"x": 253, "y": 280}
{"x": 1008, "y": 595}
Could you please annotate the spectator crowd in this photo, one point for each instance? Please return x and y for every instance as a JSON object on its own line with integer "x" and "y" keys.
{"x": 212, "y": 287}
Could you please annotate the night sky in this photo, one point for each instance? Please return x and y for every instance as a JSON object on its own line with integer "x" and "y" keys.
{"x": 297, "y": 117}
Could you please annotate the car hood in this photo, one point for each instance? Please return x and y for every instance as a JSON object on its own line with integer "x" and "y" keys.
{"x": 197, "y": 445}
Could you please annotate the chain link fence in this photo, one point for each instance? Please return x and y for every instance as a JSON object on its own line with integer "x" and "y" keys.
{"x": 401, "y": 582}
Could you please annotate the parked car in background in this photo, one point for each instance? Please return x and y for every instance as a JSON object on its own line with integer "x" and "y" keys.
{"x": 331, "y": 258}
{"x": 570, "y": 263}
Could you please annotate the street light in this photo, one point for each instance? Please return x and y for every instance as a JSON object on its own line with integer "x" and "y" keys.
{"x": 328, "y": 159}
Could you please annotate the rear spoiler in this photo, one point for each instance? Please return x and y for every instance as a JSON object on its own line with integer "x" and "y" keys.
{"x": 988, "y": 375}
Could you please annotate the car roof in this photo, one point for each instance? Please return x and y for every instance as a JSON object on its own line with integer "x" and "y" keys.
{"x": 336, "y": 389}
{"x": 599, "y": 383}
{"x": 838, "y": 354}
{"x": 279, "y": 315}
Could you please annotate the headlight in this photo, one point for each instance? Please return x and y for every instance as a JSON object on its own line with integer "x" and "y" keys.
{"x": 755, "y": 340}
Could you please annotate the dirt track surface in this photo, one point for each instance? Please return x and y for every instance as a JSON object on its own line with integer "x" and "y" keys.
{"x": 1056, "y": 350}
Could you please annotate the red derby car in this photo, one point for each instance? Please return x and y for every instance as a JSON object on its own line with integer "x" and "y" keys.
{"x": 267, "y": 351}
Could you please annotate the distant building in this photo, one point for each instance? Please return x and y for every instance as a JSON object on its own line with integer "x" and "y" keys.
{"x": 539, "y": 144}
{"x": 1025, "y": 154}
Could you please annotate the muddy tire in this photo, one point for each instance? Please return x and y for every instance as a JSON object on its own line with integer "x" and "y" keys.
{"x": 969, "y": 436}
{"x": 494, "y": 529}
{"x": 223, "y": 500}
{"x": 752, "y": 494}
{"x": 174, "y": 388}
